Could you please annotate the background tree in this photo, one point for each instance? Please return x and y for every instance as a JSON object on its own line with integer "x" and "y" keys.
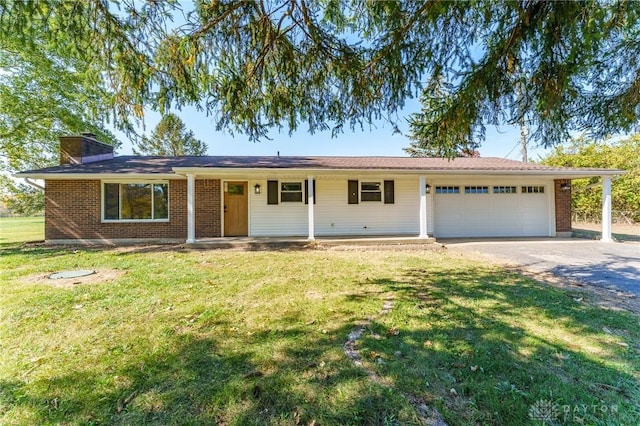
{"x": 170, "y": 138}
{"x": 256, "y": 65}
{"x": 587, "y": 193}
{"x": 42, "y": 97}
{"x": 19, "y": 198}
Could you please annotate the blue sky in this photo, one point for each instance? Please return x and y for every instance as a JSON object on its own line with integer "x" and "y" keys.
{"x": 500, "y": 142}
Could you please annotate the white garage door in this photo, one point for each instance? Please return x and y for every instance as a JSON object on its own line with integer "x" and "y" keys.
{"x": 491, "y": 210}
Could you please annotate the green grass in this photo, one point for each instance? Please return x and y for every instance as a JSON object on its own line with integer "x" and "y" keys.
{"x": 235, "y": 338}
{"x": 21, "y": 229}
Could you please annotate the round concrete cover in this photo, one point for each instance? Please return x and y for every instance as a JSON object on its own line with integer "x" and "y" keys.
{"x": 71, "y": 274}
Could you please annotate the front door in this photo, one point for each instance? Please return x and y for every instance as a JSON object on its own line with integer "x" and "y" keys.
{"x": 236, "y": 209}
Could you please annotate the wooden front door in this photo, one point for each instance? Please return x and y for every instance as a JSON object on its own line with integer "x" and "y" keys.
{"x": 236, "y": 209}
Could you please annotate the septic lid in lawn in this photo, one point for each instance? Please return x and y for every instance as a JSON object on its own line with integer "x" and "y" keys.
{"x": 71, "y": 274}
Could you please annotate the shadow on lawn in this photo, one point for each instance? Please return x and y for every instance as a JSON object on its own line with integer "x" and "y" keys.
{"x": 465, "y": 347}
{"x": 196, "y": 384}
{"x": 448, "y": 322}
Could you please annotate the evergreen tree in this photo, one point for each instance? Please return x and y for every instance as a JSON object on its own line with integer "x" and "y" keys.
{"x": 170, "y": 138}
{"x": 331, "y": 64}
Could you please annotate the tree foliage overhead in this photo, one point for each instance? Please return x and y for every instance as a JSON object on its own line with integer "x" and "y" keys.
{"x": 255, "y": 65}
{"x": 42, "y": 98}
{"x": 170, "y": 138}
{"x": 587, "y": 193}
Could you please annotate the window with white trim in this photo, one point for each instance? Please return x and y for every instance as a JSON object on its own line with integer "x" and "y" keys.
{"x": 140, "y": 201}
{"x": 371, "y": 191}
{"x": 504, "y": 190}
{"x": 447, "y": 189}
{"x": 533, "y": 189}
{"x": 476, "y": 189}
{"x": 291, "y": 192}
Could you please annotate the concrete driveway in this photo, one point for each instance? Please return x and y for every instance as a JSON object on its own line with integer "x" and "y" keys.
{"x": 608, "y": 265}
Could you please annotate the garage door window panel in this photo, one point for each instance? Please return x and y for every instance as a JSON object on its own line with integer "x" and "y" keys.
{"x": 533, "y": 189}
{"x": 476, "y": 189}
{"x": 447, "y": 189}
{"x": 504, "y": 190}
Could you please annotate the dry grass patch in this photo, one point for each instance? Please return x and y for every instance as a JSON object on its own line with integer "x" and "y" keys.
{"x": 100, "y": 276}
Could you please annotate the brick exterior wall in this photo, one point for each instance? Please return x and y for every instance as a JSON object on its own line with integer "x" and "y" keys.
{"x": 563, "y": 206}
{"x": 73, "y": 211}
{"x": 208, "y": 223}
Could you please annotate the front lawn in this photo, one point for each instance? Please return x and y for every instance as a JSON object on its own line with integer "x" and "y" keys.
{"x": 235, "y": 338}
{"x": 20, "y": 229}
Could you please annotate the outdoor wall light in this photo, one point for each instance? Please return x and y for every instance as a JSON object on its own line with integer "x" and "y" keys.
{"x": 565, "y": 186}
{"x": 428, "y": 189}
{"x": 257, "y": 189}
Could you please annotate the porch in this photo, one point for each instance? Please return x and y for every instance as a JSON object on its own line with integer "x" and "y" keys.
{"x": 256, "y": 243}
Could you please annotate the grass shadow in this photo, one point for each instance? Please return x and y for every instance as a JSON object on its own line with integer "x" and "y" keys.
{"x": 484, "y": 347}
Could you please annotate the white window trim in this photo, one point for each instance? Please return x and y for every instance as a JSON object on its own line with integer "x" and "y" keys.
{"x": 282, "y": 182}
{"x": 380, "y": 190}
{"x": 127, "y": 182}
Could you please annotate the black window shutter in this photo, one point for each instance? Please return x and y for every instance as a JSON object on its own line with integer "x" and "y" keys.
{"x": 353, "y": 192}
{"x": 306, "y": 191}
{"x": 272, "y": 192}
{"x": 389, "y": 192}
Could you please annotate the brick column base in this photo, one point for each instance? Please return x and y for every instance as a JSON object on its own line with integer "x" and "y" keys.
{"x": 563, "y": 208}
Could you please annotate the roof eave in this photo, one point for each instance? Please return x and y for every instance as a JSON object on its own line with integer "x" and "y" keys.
{"x": 571, "y": 173}
{"x": 181, "y": 172}
{"x": 94, "y": 176}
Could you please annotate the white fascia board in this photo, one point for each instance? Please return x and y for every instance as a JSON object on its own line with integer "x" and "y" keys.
{"x": 99, "y": 176}
{"x": 181, "y": 172}
{"x": 225, "y": 171}
{"x": 562, "y": 174}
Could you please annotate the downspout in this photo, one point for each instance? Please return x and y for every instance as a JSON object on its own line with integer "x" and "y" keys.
{"x": 34, "y": 184}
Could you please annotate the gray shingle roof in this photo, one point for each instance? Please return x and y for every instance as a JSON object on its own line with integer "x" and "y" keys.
{"x": 163, "y": 165}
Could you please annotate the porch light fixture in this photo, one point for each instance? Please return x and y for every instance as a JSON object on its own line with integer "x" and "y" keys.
{"x": 428, "y": 189}
{"x": 565, "y": 186}
{"x": 257, "y": 189}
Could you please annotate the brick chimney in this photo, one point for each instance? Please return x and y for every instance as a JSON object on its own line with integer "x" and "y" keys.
{"x": 83, "y": 149}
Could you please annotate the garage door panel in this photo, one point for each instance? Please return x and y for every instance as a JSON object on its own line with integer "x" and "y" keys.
{"x": 491, "y": 215}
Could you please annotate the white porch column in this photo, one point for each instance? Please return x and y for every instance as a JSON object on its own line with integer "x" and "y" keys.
{"x": 606, "y": 209}
{"x": 423, "y": 207}
{"x": 311, "y": 197}
{"x": 191, "y": 220}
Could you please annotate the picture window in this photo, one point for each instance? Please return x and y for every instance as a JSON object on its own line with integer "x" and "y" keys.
{"x": 136, "y": 201}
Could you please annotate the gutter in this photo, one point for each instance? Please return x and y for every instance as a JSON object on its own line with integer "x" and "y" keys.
{"x": 599, "y": 183}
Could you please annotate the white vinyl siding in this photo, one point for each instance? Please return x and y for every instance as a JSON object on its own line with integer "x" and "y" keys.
{"x": 335, "y": 216}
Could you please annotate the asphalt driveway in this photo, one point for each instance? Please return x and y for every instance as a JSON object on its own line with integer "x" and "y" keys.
{"x": 608, "y": 265}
